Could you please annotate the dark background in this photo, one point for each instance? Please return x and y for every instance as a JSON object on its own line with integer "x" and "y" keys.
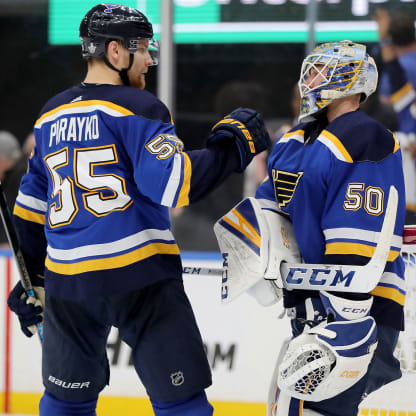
{"x": 32, "y": 71}
{"x": 206, "y": 75}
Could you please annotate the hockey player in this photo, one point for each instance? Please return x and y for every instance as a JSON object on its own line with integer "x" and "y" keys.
{"x": 329, "y": 177}
{"x": 398, "y": 53}
{"x": 95, "y": 202}
{"x": 398, "y": 49}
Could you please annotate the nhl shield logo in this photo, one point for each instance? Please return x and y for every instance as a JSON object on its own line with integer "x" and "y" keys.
{"x": 177, "y": 378}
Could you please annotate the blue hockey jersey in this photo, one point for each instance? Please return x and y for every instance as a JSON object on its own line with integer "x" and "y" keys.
{"x": 106, "y": 167}
{"x": 398, "y": 82}
{"x": 332, "y": 181}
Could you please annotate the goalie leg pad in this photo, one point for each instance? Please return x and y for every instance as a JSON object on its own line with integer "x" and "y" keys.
{"x": 286, "y": 406}
{"x": 274, "y": 392}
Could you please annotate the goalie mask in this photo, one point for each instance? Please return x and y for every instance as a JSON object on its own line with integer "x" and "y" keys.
{"x": 327, "y": 359}
{"x": 344, "y": 68}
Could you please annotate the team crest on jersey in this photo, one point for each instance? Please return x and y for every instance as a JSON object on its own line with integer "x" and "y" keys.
{"x": 285, "y": 184}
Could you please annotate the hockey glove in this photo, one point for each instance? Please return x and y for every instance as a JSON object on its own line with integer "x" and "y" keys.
{"x": 328, "y": 359}
{"x": 341, "y": 309}
{"x": 29, "y": 310}
{"x": 246, "y": 127}
{"x": 307, "y": 314}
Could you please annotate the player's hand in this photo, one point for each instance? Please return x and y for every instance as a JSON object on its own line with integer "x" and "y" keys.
{"x": 308, "y": 314}
{"x": 29, "y": 310}
{"x": 246, "y": 127}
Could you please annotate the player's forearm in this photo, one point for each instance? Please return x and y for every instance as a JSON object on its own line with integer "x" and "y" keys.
{"x": 397, "y": 75}
{"x": 33, "y": 245}
{"x": 388, "y": 53}
{"x": 214, "y": 165}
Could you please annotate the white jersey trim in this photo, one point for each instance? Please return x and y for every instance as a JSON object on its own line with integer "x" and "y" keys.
{"x": 331, "y": 146}
{"x": 77, "y": 110}
{"x": 174, "y": 181}
{"x": 393, "y": 279}
{"x": 359, "y": 234}
{"x": 113, "y": 247}
{"x": 31, "y": 202}
{"x": 299, "y": 138}
{"x": 404, "y": 101}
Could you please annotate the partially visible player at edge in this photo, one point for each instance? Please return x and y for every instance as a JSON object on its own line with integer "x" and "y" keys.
{"x": 330, "y": 176}
{"x": 95, "y": 202}
{"x": 341, "y": 164}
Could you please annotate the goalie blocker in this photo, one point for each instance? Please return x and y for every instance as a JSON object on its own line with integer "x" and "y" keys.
{"x": 253, "y": 243}
{"x": 261, "y": 256}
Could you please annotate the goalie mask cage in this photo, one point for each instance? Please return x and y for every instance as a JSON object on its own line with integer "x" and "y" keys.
{"x": 399, "y": 397}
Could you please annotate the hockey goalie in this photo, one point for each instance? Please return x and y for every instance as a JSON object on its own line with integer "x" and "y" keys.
{"x": 324, "y": 202}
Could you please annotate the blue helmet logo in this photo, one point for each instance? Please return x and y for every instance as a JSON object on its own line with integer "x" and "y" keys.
{"x": 110, "y": 7}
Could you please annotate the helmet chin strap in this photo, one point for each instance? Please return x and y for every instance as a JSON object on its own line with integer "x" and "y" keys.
{"x": 122, "y": 72}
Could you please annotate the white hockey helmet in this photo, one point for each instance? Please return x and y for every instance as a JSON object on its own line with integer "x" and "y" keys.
{"x": 328, "y": 359}
{"x": 345, "y": 68}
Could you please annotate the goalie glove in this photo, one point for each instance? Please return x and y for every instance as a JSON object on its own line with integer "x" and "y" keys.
{"x": 28, "y": 309}
{"x": 332, "y": 308}
{"x": 246, "y": 127}
{"x": 332, "y": 356}
{"x": 328, "y": 359}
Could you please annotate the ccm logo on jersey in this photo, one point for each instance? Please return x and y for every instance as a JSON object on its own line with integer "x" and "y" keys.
{"x": 67, "y": 384}
{"x": 319, "y": 277}
{"x": 350, "y": 374}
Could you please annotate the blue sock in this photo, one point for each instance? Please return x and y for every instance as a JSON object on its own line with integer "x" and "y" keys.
{"x": 197, "y": 405}
{"x": 51, "y": 406}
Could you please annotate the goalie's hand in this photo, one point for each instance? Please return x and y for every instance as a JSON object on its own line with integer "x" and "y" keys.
{"x": 307, "y": 314}
{"x": 246, "y": 127}
{"x": 28, "y": 309}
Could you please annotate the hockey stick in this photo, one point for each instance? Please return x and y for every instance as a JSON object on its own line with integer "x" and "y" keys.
{"x": 14, "y": 244}
{"x": 331, "y": 277}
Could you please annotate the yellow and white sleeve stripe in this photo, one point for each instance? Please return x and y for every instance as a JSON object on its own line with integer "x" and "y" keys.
{"x": 30, "y": 208}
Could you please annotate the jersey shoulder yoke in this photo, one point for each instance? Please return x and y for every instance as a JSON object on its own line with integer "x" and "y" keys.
{"x": 356, "y": 137}
{"x": 131, "y": 101}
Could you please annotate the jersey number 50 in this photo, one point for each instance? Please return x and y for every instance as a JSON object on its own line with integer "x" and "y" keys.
{"x": 371, "y": 197}
{"x": 63, "y": 211}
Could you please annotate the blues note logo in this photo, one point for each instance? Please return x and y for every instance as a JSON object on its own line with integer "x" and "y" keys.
{"x": 110, "y": 7}
{"x": 285, "y": 184}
